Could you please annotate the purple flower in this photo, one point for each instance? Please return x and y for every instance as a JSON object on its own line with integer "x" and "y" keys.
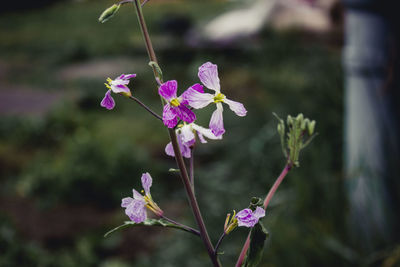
{"x": 249, "y": 218}
{"x": 208, "y": 75}
{"x": 175, "y": 107}
{"x": 118, "y": 86}
{"x": 186, "y": 138}
{"x": 135, "y": 208}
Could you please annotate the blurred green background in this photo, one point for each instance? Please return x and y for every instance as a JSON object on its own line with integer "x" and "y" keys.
{"x": 65, "y": 162}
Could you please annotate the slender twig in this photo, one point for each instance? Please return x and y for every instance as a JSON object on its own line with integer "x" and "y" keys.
{"x": 146, "y": 107}
{"x": 191, "y": 167}
{"x": 267, "y": 199}
{"x": 219, "y": 242}
{"x": 178, "y": 156}
{"x": 144, "y": 2}
{"x": 188, "y": 228}
{"x": 131, "y": 1}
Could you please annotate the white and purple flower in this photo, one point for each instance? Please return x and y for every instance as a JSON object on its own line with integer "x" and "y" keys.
{"x": 176, "y": 106}
{"x": 249, "y": 218}
{"x": 118, "y": 86}
{"x": 135, "y": 208}
{"x": 208, "y": 75}
{"x": 186, "y": 135}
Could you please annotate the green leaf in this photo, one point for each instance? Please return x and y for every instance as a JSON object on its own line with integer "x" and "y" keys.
{"x": 147, "y": 222}
{"x": 258, "y": 235}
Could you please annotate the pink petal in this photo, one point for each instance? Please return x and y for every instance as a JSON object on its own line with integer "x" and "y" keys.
{"x": 196, "y": 99}
{"x": 119, "y": 88}
{"x": 137, "y": 195}
{"x": 204, "y": 131}
{"x": 147, "y": 181}
{"x": 108, "y": 102}
{"x": 126, "y": 202}
{"x": 168, "y": 90}
{"x": 216, "y": 122}
{"x": 169, "y": 116}
{"x": 187, "y": 135}
{"x": 185, "y": 114}
{"x": 208, "y": 75}
{"x": 185, "y": 150}
{"x": 197, "y": 87}
{"x": 236, "y": 107}
{"x": 259, "y": 212}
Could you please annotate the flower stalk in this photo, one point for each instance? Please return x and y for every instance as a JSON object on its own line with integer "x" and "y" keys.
{"x": 178, "y": 156}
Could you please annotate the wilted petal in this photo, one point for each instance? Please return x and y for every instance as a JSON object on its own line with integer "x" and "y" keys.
{"x": 217, "y": 122}
{"x": 185, "y": 114}
{"x": 204, "y": 131}
{"x": 169, "y": 116}
{"x": 168, "y": 90}
{"x": 126, "y": 202}
{"x": 236, "y": 107}
{"x": 208, "y": 75}
{"x": 136, "y": 211}
{"x": 108, "y": 102}
{"x": 147, "y": 181}
{"x": 196, "y": 99}
{"x": 259, "y": 213}
{"x": 246, "y": 218}
{"x": 187, "y": 135}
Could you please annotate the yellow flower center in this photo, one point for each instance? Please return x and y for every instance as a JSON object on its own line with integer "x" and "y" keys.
{"x": 175, "y": 102}
{"x": 219, "y": 98}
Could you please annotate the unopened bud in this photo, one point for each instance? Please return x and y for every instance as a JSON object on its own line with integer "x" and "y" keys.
{"x": 300, "y": 117}
{"x": 281, "y": 128}
{"x": 289, "y": 120}
{"x": 109, "y": 13}
{"x": 311, "y": 127}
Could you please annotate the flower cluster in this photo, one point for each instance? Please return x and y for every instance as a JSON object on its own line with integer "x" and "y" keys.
{"x": 135, "y": 208}
{"x": 245, "y": 217}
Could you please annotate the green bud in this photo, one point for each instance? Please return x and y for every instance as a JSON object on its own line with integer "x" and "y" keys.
{"x": 300, "y": 117}
{"x": 311, "y": 127}
{"x": 304, "y": 124}
{"x": 289, "y": 120}
{"x": 109, "y": 13}
{"x": 281, "y": 128}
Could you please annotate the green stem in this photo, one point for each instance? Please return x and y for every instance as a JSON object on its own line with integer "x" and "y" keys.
{"x": 178, "y": 156}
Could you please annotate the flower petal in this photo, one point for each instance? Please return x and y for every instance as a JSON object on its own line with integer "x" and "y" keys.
{"x": 246, "y": 218}
{"x": 236, "y": 107}
{"x": 108, "y": 102}
{"x": 169, "y": 116}
{"x": 169, "y": 150}
{"x": 168, "y": 90}
{"x": 126, "y": 202}
{"x": 136, "y": 211}
{"x": 196, "y": 99}
{"x": 259, "y": 212}
{"x": 185, "y": 114}
{"x": 217, "y": 122}
{"x": 127, "y": 76}
{"x": 147, "y": 181}
{"x": 185, "y": 150}
{"x": 197, "y": 87}
{"x": 204, "y": 131}
{"x": 137, "y": 195}
{"x": 208, "y": 75}
{"x": 187, "y": 135}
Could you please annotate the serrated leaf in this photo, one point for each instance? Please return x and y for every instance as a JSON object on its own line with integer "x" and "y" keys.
{"x": 258, "y": 235}
{"x": 147, "y": 222}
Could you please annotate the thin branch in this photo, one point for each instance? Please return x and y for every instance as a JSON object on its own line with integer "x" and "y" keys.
{"x": 146, "y": 107}
{"x": 188, "y": 228}
{"x": 191, "y": 167}
{"x": 131, "y": 1}
{"x": 219, "y": 242}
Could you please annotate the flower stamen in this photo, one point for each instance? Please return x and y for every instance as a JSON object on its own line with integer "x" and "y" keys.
{"x": 219, "y": 98}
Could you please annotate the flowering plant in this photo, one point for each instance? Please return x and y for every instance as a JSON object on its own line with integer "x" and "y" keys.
{"x": 179, "y": 118}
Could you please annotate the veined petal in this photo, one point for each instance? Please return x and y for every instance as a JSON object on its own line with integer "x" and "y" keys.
{"x": 137, "y": 195}
{"x": 108, "y": 102}
{"x": 259, "y": 212}
{"x": 204, "y": 131}
{"x": 120, "y": 88}
{"x": 185, "y": 114}
{"x": 168, "y": 90}
{"x": 236, "y": 107}
{"x": 169, "y": 150}
{"x": 147, "y": 181}
{"x": 169, "y": 116}
{"x": 246, "y": 218}
{"x": 136, "y": 211}
{"x": 217, "y": 121}
{"x": 197, "y": 87}
{"x": 126, "y": 202}
{"x": 185, "y": 150}
{"x": 196, "y": 99}
{"x": 128, "y": 76}
{"x": 208, "y": 75}
{"x": 188, "y": 137}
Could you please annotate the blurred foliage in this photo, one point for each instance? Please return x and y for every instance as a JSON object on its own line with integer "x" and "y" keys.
{"x": 80, "y": 156}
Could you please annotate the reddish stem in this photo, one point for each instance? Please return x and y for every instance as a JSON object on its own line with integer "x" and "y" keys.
{"x": 266, "y": 202}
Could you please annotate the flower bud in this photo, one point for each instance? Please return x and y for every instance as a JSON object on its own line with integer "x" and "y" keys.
{"x": 311, "y": 127}
{"x": 109, "y": 13}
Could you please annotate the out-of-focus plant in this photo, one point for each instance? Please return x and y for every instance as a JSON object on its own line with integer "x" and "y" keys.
{"x": 178, "y": 117}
